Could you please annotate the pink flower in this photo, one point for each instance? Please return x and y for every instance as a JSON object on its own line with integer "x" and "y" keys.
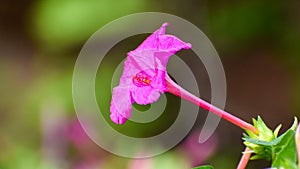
{"x": 143, "y": 78}
{"x": 198, "y": 153}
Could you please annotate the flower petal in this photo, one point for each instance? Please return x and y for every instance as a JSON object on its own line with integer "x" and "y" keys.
{"x": 145, "y": 95}
{"x": 128, "y": 72}
{"x": 172, "y": 44}
{"x": 121, "y": 104}
{"x": 163, "y": 46}
{"x": 169, "y": 45}
{"x": 159, "y": 82}
{"x": 143, "y": 78}
{"x": 135, "y": 63}
{"x": 152, "y": 42}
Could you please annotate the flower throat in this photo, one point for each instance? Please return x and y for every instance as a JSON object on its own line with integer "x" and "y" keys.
{"x": 141, "y": 79}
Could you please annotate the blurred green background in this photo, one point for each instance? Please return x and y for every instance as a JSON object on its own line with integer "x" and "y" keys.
{"x": 258, "y": 42}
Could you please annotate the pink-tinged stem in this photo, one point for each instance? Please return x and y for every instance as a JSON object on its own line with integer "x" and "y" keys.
{"x": 175, "y": 89}
{"x": 297, "y": 139}
{"x": 245, "y": 158}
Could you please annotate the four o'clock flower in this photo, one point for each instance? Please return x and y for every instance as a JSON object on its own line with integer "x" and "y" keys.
{"x": 143, "y": 78}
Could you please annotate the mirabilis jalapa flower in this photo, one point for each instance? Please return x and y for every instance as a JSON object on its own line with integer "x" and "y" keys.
{"x": 145, "y": 77}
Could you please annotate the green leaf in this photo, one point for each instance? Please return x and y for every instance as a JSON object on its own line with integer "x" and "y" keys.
{"x": 281, "y": 150}
{"x": 204, "y": 167}
{"x": 285, "y": 155}
{"x": 276, "y": 131}
{"x": 295, "y": 124}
